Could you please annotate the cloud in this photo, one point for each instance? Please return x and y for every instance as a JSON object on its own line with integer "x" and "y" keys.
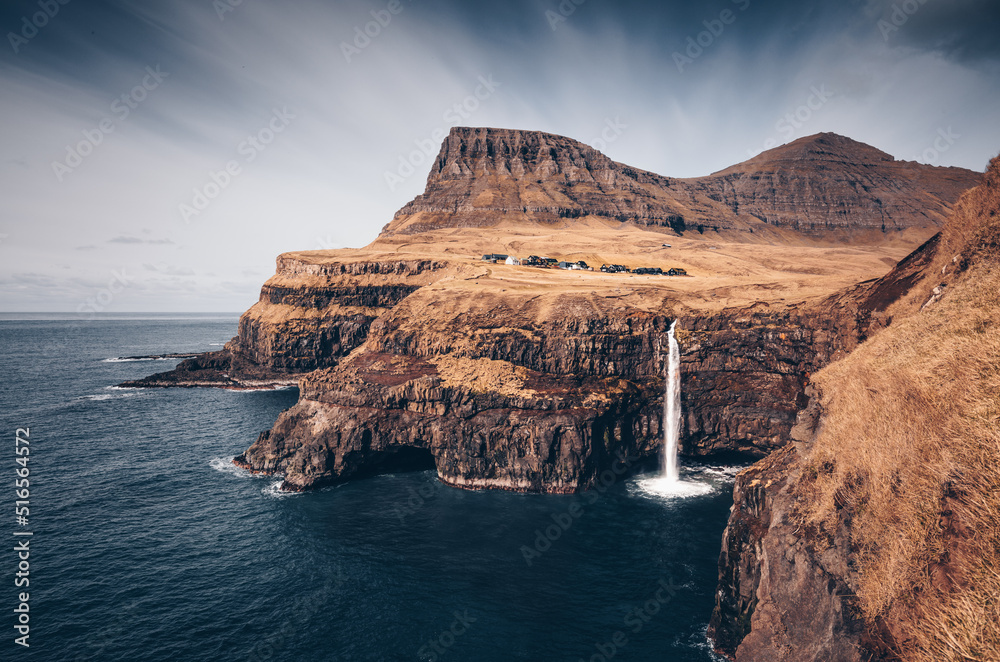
{"x": 608, "y": 61}
{"x": 961, "y": 30}
{"x": 136, "y": 240}
{"x": 169, "y": 270}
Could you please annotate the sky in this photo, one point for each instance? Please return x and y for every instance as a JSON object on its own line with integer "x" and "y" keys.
{"x": 160, "y": 158}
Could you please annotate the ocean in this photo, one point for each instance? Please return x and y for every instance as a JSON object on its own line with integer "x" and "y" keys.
{"x": 147, "y": 544}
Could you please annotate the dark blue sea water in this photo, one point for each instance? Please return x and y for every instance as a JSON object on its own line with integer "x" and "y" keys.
{"x": 149, "y": 545}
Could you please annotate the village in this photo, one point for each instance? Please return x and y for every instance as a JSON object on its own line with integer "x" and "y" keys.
{"x": 554, "y": 263}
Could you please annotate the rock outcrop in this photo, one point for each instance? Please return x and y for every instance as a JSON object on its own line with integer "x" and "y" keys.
{"x": 481, "y": 423}
{"x": 783, "y": 591}
{"x": 311, "y": 313}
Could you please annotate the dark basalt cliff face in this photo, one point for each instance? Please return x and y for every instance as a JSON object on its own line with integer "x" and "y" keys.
{"x": 783, "y": 594}
{"x": 530, "y": 432}
{"x": 496, "y": 396}
{"x": 745, "y": 372}
{"x": 516, "y": 401}
{"x": 825, "y": 186}
{"x": 309, "y": 316}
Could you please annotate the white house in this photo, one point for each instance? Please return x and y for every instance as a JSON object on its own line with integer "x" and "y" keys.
{"x": 516, "y": 261}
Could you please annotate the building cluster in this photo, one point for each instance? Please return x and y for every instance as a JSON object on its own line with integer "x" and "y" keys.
{"x": 551, "y": 262}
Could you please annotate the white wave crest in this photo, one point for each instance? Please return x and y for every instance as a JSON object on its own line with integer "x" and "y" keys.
{"x": 274, "y": 490}
{"x": 124, "y": 359}
{"x": 116, "y": 395}
{"x": 226, "y": 466}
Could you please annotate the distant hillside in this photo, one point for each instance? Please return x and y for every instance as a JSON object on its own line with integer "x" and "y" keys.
{"x": 823, "y": 187}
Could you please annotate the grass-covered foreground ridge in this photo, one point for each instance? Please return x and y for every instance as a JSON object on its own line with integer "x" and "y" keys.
{"x": 908, "y": 451}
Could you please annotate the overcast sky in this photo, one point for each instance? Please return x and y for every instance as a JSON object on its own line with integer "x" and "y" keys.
{"x": 158, "y": 159}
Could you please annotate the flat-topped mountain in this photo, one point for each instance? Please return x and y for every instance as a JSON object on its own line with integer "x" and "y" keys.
{"x": 822, "y": 187}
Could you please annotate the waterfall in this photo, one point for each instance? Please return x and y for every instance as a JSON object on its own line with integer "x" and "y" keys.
{"x": 668, "y": 483}
{"x": 672, "y": 410}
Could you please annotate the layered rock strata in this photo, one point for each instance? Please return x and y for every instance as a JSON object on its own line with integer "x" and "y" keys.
{"x": 518, "y": 430}
{"x": 825, "y": 186}
{"x": 311, "y": 313}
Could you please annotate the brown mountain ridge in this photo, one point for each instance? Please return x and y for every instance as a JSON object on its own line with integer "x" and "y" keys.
{"x": 824, "y": 187}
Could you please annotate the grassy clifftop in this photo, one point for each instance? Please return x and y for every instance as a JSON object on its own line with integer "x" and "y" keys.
{"x": 908, "y": 451}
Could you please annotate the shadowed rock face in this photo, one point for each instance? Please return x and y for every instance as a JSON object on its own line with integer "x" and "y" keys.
{"x": 533, "y": 433}
{"x": 783, "y": 596}
{"x": 530, "y": 404}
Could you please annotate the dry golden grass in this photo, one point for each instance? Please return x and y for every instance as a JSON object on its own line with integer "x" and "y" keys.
{"x": 725, "y": 273}
{"x": 482, "y": 375}
{"x": 910, "y": 450}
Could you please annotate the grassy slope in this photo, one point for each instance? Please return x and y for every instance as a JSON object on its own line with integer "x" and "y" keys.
{"x": 909, "y": 449}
